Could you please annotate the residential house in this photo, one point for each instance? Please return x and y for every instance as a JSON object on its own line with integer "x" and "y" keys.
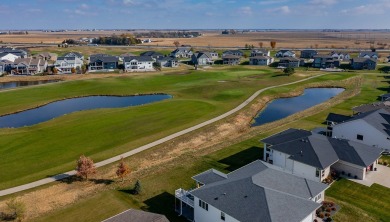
{"x": 102, "y": 62}
{"x": 74, "y": 54}
{"x": 64, "y": 65}
{"x": 168, "y": 61}
{"x": 260, "y": 52}
{"x": 28, "y": 66}
{"x": 325, "y": 61}
{"x": 138, "y": 63}
{"x": 308, "y": 53}
{"x": 257, "y": 192}
{"x": 202, "y": 58}
{"x": 260, "y": 60}
{"x": 233, "y": 52}
{"x": 231, "y": 59}
{"x": 284, "y": 53}
{"x": 21, "y": 53}
{"x": 289, "y": 62}
{"x": 363, "y": 63}
{"x": 182, "y": 52}
{"x": 370, "y": 128}
{"x": 8, "y": 56}
{"x": 47, "y": 56}
{"x": 132, "y": 215}
{"x": 342, "y": 56}
{"x": 314, "y": 156}
{"x": 214, "y": 55}
{"x": 368, "y": 55}
{"x": 153, "y": 54}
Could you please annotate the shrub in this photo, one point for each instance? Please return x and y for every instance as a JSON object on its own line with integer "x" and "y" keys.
{"x": 328, "y": 209}
{"x": 334, "y": 208}
{"x": 327, "y": 214}
{"x": 321, "y": 215}
{"x": 137, "y": 187}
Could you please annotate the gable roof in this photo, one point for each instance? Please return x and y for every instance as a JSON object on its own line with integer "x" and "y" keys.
{"x": 285, "y": 136}
{"x": 320, "y": 151}
{"x": 379, "y": 119}
{"x": 257, "y": 193}
{"x": 209, "y": 176}
{"x": 368, "y": 53}
{"x": 337, "y": 118}
{"x": 151, "y": 53}
{"x": 132, "y": 215}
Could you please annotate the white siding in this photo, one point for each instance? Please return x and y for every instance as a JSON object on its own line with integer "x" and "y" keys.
{"x": 371, "y": 136}
{"x": 279, "y": 159}
{"x": 350, "y": 168}
{"x": 309, "y": 218}
{"x": 213, "y": 214}
{"x": 305, "y": 171}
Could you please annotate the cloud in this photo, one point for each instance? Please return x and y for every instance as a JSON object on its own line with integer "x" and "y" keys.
{"x": 246, "y": 11}
{"x": 369, "y": 9}
{"x": 323, "y": 2}
{"x": 34, "y": 10}
{"x": 84, "y": 6}
{"x": 272, "y": 2}
{"x": 280, "y": 10}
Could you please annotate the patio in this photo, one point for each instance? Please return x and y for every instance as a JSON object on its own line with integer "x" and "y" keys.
{"x": 381, "y": 176}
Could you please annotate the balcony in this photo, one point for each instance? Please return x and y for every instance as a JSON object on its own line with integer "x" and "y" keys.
{"x": 185, "y": 197}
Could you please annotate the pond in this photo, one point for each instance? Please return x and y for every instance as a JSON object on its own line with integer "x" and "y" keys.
{"x": 59, "y": 108}
{"x": 281, "y": 108}
{"x": 15, "y": 84}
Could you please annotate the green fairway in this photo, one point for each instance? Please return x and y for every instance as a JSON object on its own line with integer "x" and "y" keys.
{"x": 52, "y": 147}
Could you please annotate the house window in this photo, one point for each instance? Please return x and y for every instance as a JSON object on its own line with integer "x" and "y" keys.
{"x": 359, "y": 137}
{"x": 222, "y": 216}
{"x": 268, "y": 149}
{"x": 203, "y": 205}
{"x": 317, "y": 172}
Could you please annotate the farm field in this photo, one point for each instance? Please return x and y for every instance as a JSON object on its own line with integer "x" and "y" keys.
{"x": 159, "y": 185}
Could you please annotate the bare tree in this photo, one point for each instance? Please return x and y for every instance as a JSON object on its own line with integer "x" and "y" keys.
{"x": 176, "y": 43}
{"x": 261, "y": 44}
{"x": 273, "y": 44}
{"x": 85, "y": 167}
{"x": 123, "y": 169}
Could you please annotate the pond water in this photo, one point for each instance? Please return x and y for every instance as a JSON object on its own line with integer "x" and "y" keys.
{"x": 281, "y": 108}
{"x": 15, "y": 84}
{"x": 59, "y": 108}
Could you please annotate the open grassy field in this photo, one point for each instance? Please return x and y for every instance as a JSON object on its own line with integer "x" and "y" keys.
{"x": 198, "y": 96}
{"x": 358, "y": 203}
{"x": 284, "y": 39}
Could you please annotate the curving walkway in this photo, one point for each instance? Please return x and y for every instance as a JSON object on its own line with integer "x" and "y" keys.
{"x": 149, "y": 145}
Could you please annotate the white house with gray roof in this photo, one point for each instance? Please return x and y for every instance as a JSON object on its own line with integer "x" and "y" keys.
{"x": 9, "y": 56}
{"x": 138, "y": 63}
{"x": 74, "y": 54}
{"x": 254, "y": 193}
{"x": 64, "y": 65}
{"x": 371, "y": 128}
{"x": 314, "y": 156}
{"x": 368, "y": 55}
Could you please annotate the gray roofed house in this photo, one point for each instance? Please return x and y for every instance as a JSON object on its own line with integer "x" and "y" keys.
{"x": 368, "y": 55}
{"x": 363, "y": 63}
{"x": 132, "y": 215}
{"x": 202, "y": 58}
{"x": 287, "y": 62}
{"x": 74, "y": 54}
{"x": 260, "y": 60}
{"x": 314, "y": 156}
{"x": 231, "y": 59}
{"x": 253, "y": 193}
{"x": 260, "y": 52}
{"x": 102, "y": 62}
{"x": 138, "y": 63}
{"x": 325, "y": 61}
{"x": 168, "y": 61}
{"x": 182, "y": 52}
{"x": 19, "y": 52}
{"x": 308, "y": 53}
{"x": 232, "y": 52}
{"x": 337, "y": 118}
{"x": 340, "y": 55}
{"x": 66, "y": 65}
{"x": 284, "y": 53}
{"x": 28, "y": 66}
{"x": 153, "y": 54}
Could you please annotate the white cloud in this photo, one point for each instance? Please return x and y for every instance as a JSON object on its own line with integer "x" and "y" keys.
{"x": 283, "y": 10}
{"x": 381, "y": 7}
{"x": 323, "y": 2}
{"x": 84, "y": 6}
{"x": 272, "y": 2}
{"x": 245, "y": 11}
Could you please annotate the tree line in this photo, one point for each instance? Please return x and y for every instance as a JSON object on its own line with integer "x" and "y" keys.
{"x": 124, "y": 39}
{"x": 178, "y": 34}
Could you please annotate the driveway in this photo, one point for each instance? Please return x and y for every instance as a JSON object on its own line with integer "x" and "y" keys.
{"x": 381, "y": 176}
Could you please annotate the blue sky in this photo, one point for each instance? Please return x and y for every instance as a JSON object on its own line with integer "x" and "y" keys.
{"x": 194, "y": 14}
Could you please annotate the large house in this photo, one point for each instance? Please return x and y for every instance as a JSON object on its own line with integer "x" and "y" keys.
{"x": 64, "y": 65}
{"x": 202, "y": 58}
{"x": 153, "y": 54}
{"x": 256, "y": 192}
{"x": 340, "y": 55}
{"x": 138, "y": 63}
{"x": 260, "y": 60}
{"x": 231, "y": 59}
{"x": 368, "y": 55}
{"x": 289, "y": 62}
{"x": 370, "y": 128}
{"x": 314, "y": 156}
{"x": 168, "y": 61}
{"x": 284, "y": 53}
{"x": 102, "y": 62}
{"x": 324, "y": 61}
{"x": 74, "y": 54}
{"x": 182, "y": 52}
{"x": 363, "y": 63}
{"x": 233, "y": 52}
{"x": 18, "y": 52}
{"x": 46, "y": 56}
{"x": 260, "y": 52}
{"x": 9, "y": 56}
{"x": 28, "y": 66}
{"x": 308, "y": 53}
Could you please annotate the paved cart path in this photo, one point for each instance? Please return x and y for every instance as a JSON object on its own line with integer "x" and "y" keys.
{"x": 149, "y": 145}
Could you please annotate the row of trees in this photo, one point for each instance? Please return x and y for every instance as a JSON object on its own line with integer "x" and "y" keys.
{"x": 261, "y": 44}
{"x": 178, "y": 34}
{"x": 123, "y": 39}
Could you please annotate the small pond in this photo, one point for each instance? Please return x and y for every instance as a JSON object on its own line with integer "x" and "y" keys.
{"x": 281, "y": 108}
{"x": 59, "y": 108}
{"x": 15, "y": 84}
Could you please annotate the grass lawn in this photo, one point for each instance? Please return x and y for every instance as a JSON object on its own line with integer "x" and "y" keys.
{"x": 53, "y": 146}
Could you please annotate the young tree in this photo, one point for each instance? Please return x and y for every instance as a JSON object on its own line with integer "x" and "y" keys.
{"x": 55, "y": 70}
{"x": 73, "y": 70}
{"x": 137, "y": 187}
{"x": 261, "y": 44}
{"x": 289, "y": 71}
{"x": 85, "y": 167}
{"x": 123, "y": 169}
{"x": 18, "y": 208}
{"x": 157, "y": 66}
{"x": 273, "y": 44}
{"x": 176, "y": 43}
{"x": 83, "y": 68}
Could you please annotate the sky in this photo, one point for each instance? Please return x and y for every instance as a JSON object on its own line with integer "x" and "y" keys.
{"x": 194, "y": 14}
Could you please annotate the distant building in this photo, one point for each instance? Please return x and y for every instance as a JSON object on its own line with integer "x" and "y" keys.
{"x": 260, "y": 60}
{"x": 233, "y": 52}
{"x": 168, "y": 61}
{"x": 28, "y": 66}
{"x": 325, "y": 61}
{"x": 182, "y": 52}
{"x": 74, "y": 54}
{"x": 363, "y": 63}
{"x": 202, "y": 58}
{"x": 308, "y": 53}
{"x": 153, "y": 54}
{"x": 231, "y": 59}
{"x": 102, "y": 62}
{"x": 289, "y": 62}
{"x": 368, "y": 55}
{"x": 340, "y": 55}
{"x": 284, "y": 53}
{"x": 64, "y": 65}
{"x": 260, "y": 52}
{"x": 138, "y": 63}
